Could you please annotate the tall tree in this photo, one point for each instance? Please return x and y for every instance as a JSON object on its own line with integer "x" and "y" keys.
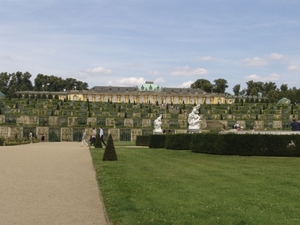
{"x": 284, "y": 87}
{"x": 236, "y": 89}
{"x": 267, "y": 87}
{"x": 254, "y": 88}
{"x": 4, "y": 82}
{"x": 220, "y": 85}
{"x": 19, "y": 82}
{"x": 203, "y": 84}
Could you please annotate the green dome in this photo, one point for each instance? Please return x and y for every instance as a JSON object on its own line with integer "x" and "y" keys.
{"x": 2, "y": 95}
{"x": 284, "y": 101}
{"x": 149, "y": 86}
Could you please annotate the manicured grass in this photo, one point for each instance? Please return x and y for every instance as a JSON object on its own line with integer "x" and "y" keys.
{"x": 159, "y": 186}
{"x": 124, "y": 143}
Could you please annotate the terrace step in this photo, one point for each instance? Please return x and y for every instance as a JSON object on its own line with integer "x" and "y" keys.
{"x": 215, "y": 125}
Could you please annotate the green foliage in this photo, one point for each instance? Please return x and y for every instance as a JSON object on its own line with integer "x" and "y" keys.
{"x": 142, "y": 140}
{"x": 178, "y": 141}
{"x": 157, "y": 141}
{"x": 98, "y": 143}
{"x": 246, "y": 144}
{"x": 110, "y": 152}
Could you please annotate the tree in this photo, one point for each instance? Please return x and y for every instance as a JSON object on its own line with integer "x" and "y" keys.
{"x": 273, "y": 95}
{"x": 203, "y": 84}
{"x": 110, "y": 152}
{"x": 220, "y": 85}
{"x": 4, "y": 82}
{"x": 17, "y": 82}
{"x": 236, "y": 89}
{"x": 284, "y": 87}
{"x": 267, "y": 87}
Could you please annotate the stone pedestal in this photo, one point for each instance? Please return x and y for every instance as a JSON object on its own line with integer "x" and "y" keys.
{"x": 191, "y": 131}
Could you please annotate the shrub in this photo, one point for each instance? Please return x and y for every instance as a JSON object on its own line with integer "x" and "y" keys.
{"x": 110, "y": 152}
{"x": 1, "y": 141}
{"x": 157, "y": 141}
{"x": 142, "y": 140}
{"x": 246, "y": 144}
{"x": 178, "y": 141}
{"x": 98, "y": 143}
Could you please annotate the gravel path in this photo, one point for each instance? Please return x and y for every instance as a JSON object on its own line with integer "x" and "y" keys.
{"x": 49, "y": 183}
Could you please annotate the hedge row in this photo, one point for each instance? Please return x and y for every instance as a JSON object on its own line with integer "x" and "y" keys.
{"x": 228, "y": 144}
{"x": 246, "y": 144}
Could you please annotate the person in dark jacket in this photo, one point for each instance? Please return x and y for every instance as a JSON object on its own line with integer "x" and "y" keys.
{"x": 295, "y": 125}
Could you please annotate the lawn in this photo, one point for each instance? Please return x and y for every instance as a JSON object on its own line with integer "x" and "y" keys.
{"x": 159, "y": 186}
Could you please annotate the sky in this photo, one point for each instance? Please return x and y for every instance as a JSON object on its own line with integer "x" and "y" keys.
{"x": 170, "y": 42}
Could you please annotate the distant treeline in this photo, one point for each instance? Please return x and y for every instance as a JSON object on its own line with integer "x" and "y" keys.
{"x": 12, "y": 82}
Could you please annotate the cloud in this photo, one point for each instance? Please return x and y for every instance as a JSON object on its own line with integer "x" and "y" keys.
{"x": 4, "y": 56}
{"x": 294, "y": 68}
{"x": 256, "y": 61}
{"x": 256, "y": 78}
{"x": 99, "y": 70}
{"x": 206, "y": 58}
{"x": 159, "y": 80}
{"x": 276, "y": 56}
{"x": 185, "y": 84}
{"x": 186, "y": 72}
{"x": 130, "y": 82}
{"x": 154, "y": 73}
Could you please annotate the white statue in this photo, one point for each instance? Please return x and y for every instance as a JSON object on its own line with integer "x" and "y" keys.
{"x": 157, "y": 124}
{"x": 194, "y": 118}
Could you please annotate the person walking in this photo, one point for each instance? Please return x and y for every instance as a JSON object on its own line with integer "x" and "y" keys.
{"x": 30, "y": 137}
{"x": 101, "y": 133}
{"x": 93, "y": 139}
{"x": 295, "y": 125}
{"x": 83, "y": 141}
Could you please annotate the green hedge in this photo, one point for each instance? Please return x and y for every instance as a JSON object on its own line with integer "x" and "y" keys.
{"x": 178, "y": 141}
{"x": 157, "y": 141}
{"x": 1, "y": 141}
{"x": 246, "y": 144}
{"x": 142, "y": 140}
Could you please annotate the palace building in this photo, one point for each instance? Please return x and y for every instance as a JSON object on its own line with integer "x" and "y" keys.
{"x": 146, "y": 93}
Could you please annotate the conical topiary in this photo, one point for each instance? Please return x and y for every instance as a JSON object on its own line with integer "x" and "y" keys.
{"x": 110, "y": 152}
{"x": 98, "y": 143}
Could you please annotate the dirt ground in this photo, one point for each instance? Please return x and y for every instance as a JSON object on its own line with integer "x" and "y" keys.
{"x": 49, "y": 183}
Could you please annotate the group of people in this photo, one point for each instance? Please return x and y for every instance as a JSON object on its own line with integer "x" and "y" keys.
{"x": 238, "y": 127}
{"x": 93, "y": 137}
{"x": 30, "y": 137}
{"x": 295, "y": 125}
